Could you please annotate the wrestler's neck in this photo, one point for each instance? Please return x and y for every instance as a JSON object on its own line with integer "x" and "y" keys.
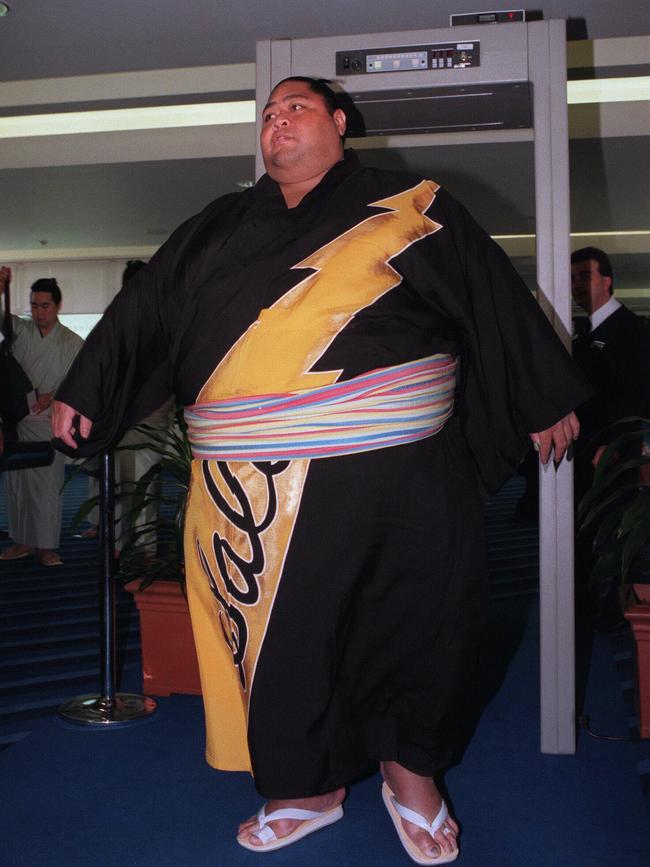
{"x": 295, "y": 189}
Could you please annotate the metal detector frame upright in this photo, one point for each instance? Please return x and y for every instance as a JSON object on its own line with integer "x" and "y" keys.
{"x": 543, "y": 44}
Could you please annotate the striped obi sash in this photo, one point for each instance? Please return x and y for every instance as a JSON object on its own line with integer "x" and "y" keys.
{"x": 385, "y": 407}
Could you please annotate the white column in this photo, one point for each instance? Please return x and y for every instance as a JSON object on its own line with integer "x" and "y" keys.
{"x": 547, "y": 67}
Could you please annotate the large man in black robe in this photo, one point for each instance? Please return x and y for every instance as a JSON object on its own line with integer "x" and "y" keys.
{"x": 336, "y": 587}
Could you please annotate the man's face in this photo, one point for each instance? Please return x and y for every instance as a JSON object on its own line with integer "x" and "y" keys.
{"x": 588, "y": 286}
{"x": 300, "y": 139}
{"x": 44, "y": 311}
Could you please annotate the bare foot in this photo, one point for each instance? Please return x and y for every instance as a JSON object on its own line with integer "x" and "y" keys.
{"x": 421, "y": 795}
{"x": 283, "y": 827}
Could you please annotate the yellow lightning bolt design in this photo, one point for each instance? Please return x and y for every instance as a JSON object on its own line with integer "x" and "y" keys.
{"x": 352, "y": 271}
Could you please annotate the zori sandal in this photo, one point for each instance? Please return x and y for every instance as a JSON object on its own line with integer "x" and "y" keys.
{"x": 49, "y": 558}
{"x": 397, "y": 812}
{"x": 16, "y": 552}
{"x": 311, "y": 821}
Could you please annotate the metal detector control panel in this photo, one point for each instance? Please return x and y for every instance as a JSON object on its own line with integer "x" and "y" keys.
{"x": 411, "y": 58}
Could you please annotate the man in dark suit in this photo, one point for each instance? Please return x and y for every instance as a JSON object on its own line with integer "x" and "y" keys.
{"x": 613, "y": 351}
{"x": 614, "y": 354}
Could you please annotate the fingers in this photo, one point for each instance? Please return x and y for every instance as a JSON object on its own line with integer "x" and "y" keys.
{"x": 597, "y": 456}
{"x": 542, "y": 443}
{"x": 85, "y": 426}
{"x": 66, "y": 437}
{"x": 556, "y": 439}
{"x": 62, "y": 416}
{"x": 564, "y": 433}
{"x": 561, "y": 441}
{"x": 64, "y": 426}
{"x": 574, "y": 424}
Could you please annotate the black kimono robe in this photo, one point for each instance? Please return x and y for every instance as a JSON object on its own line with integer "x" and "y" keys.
{"x": 336, "y": 602}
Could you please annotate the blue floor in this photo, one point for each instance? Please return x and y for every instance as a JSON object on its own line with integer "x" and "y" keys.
{"x": 144, "y": 796}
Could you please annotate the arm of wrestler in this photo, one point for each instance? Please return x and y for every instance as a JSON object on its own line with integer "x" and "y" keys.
{"x": 66, "y": 420}
{"x": 557, "y": 438}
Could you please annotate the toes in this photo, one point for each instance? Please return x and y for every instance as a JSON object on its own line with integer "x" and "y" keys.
{"x": 246, "y": 826}
{"x": 281, "y": 828}
{"x": 445, "y": 837}
{"x": 250, "y": 838}
{"x": 434, "y": 846}
{"x": 247, "y": 831}
{"x": 426, "y": 844}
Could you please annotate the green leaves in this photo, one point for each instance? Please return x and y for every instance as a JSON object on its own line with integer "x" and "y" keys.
{"x": 164, "y": 485}
{"x": 617, "y": 507}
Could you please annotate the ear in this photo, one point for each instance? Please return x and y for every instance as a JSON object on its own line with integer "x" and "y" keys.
{"x": 608, "y": 283}
{"x": 340, "y": 121}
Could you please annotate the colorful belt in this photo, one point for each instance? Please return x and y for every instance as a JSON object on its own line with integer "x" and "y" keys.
{"x": 385, "y": 407}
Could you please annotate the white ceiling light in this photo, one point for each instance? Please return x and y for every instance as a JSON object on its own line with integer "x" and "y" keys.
{"x": 219, "y": 113}
{"x": 632, "y": 89}
{"x": 120, "y": 119}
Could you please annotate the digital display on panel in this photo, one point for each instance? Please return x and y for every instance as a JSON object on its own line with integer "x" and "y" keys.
{"x": 396, "y": 61}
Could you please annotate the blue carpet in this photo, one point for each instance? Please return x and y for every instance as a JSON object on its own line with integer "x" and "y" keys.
{"x": 144, "y": 796}
{"x": 49, "y": 627}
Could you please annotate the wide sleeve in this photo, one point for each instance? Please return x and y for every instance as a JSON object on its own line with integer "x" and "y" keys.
{"x": 123, "y": 371}
{"x": 516, "y": 376}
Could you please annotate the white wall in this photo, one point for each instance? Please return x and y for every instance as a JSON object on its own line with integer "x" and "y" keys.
{"x": 87, "y": 287}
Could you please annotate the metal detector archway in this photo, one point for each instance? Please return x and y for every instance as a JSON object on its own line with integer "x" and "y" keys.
{"x": 470, "y": 82}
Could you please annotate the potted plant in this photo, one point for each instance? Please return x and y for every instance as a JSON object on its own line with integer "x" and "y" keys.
{"x": 151, "y": 564}
{"x": 618, "y": 508}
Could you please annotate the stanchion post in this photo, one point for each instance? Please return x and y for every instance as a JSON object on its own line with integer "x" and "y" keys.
{"x": 108, "y": 709}
{"x": 107, "y": 576}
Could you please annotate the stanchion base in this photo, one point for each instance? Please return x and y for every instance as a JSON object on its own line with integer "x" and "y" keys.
{"x": 97, "y": 710}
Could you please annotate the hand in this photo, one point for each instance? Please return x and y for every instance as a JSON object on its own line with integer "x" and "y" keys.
{"x": 597, "y": 456}
{"x": 557, "y": 438}
{"x": 5, "y": 276}
{"x": 43, "y": 401}
{"x": 63, "y": 423}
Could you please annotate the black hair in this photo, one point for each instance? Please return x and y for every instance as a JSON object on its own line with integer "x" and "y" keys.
{"x": 48, "y": 284}
{"x": 132, "y": 268}
{"x": 321, "y": 86}
{"x": 599, "y": 256}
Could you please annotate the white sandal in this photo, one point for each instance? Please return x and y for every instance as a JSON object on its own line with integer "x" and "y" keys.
{"x": 312, "y": 820}
{"x": 397, "y": 812}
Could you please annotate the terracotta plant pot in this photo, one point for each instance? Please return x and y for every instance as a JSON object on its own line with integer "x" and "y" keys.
{"x": 637, "y": 612}
{"x": 642, "y": 593}
{"x": 169, "y": 661}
